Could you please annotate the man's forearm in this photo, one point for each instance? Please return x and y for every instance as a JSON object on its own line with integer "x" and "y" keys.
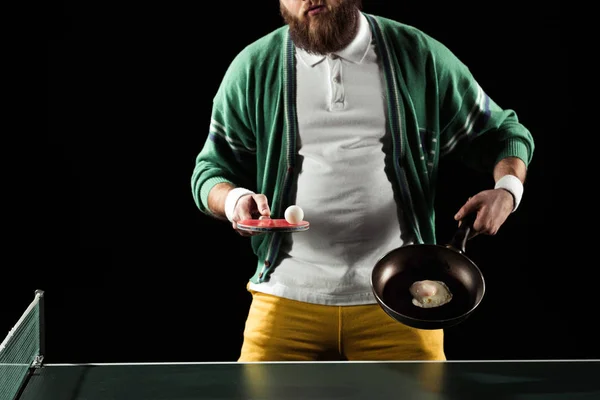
{"x": 510, "y": 166}
{"x": 217, "y": 197}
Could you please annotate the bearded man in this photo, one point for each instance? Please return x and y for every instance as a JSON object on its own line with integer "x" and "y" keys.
{"x": 347, "y": 115}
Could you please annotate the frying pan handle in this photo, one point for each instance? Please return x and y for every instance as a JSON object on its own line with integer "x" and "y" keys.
{"x": 459, "y": 240}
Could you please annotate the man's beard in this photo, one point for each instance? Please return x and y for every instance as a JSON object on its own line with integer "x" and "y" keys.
{"x": 330, "y": 32}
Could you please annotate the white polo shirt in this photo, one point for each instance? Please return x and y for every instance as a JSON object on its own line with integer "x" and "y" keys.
{"x": 342, "y": 187}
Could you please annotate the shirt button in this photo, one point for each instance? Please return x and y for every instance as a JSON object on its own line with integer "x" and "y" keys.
{"x": 336, "y": 79}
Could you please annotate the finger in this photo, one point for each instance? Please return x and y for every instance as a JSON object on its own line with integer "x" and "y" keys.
{"x": 473, "y": 232}
{"x": 473, "y": 220}
{"x": 467, "y": 208}
{"x": 262, "y": 205}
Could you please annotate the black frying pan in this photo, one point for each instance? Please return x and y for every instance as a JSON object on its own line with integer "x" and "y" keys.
{"x": 396, "y": 271}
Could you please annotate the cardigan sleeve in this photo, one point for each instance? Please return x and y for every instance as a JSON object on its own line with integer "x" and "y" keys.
{"x": 473, "y": 128}
{"x": 228, "y": 153}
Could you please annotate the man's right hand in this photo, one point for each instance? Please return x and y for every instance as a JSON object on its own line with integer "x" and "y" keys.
{"x": 250, "y": 206}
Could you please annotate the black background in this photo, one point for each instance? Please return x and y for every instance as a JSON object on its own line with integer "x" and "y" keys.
{"x": 133, "y": 272}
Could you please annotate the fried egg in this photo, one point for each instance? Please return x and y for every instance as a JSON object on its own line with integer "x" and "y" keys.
{"x": 428, "y": 294}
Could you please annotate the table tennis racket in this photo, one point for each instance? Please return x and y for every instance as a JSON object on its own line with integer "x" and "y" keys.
{"x": 271, "y": 225}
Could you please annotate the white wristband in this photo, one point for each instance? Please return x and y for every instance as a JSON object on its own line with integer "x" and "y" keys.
{"x": 512, "y": 184}
{"x": 231, "y": 200}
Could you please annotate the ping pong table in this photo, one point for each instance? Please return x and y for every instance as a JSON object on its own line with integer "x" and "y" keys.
{"x": 488, "y": 380}
{"x": 24, "y": 375}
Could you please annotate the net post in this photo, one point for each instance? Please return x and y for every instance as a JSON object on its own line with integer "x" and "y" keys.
{"x": 40, "y": 294}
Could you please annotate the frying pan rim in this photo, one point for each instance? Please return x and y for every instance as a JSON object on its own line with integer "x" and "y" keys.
{"x": 435, "y": 321}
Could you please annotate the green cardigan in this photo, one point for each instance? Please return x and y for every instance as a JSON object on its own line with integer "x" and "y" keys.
{"x": 435, "y": 109}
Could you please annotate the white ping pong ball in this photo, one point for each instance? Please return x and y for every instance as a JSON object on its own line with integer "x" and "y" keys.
{"x": 294, "y": 215}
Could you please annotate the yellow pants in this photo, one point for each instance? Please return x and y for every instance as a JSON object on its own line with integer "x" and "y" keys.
{"x": 286, "y": 330}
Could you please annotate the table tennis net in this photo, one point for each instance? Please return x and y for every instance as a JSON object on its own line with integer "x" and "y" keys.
{"x": 21, "y": 349}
